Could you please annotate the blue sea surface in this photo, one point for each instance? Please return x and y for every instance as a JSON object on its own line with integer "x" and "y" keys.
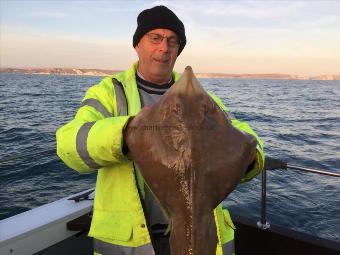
{"x": 299, "y": 122}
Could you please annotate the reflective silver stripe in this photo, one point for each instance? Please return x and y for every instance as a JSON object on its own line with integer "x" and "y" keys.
{"x": 96, "y": 105}
{"x": 81, "y": 142}
{"x": 228, "y": 248}
{"x": 105, "y": 248}
{"x": 122, "y": 106}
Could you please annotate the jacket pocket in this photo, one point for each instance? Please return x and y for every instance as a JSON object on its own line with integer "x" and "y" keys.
{"x": 111, "y": 225}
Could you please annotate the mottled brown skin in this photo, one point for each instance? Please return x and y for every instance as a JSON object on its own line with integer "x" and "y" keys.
{"x": 192, "y": 158}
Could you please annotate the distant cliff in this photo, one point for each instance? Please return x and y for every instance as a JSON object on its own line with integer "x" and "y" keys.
{"x": 60, "y": 71}
{"x": 103, "y": 72}
{"x": 268, "y": 76}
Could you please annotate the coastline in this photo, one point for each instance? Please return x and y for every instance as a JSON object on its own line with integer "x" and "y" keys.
{"x": 105, "y": 72}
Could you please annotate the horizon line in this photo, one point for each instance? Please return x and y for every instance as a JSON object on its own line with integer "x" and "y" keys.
{"x": 213, "y": 73}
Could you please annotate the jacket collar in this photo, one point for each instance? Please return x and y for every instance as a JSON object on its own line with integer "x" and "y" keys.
{"x": 128, "y": 80}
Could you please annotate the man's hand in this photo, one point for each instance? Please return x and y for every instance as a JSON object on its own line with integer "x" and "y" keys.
{"x": 133, "y": 124}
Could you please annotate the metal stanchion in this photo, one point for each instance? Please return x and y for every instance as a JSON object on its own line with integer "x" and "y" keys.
{"x": 263, "y": 223}
{"x": 273, "y": 164}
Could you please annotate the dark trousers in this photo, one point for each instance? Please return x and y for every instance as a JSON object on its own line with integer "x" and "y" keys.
{"x": 161, "y": 244}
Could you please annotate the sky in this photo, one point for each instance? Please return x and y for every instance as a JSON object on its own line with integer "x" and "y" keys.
{"x": 294, "y": 37}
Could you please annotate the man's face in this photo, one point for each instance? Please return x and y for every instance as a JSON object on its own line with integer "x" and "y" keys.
{"x": 157, "y": 59}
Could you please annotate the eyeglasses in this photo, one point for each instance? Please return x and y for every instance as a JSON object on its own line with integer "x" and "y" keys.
{"x": 157, "y": 39}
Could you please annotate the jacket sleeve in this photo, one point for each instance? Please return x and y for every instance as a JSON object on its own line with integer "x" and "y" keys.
{"x": 258, "y": 165}
{"x": 94, "y": 138}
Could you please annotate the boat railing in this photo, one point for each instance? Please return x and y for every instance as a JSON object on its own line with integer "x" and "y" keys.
{"x": 270, "y": 164}
{"x": 277, "y": 164}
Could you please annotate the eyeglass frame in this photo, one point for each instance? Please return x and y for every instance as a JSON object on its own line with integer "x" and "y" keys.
{"x": 161, "y": 38}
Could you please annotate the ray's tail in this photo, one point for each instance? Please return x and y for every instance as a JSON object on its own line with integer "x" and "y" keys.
{"x": 197, "y": 236}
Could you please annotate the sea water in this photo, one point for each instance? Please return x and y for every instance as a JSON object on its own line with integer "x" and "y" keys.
{"x": 298, "y": 120}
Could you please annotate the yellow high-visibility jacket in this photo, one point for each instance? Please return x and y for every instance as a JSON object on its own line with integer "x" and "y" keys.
{"x": 94, "y": 139}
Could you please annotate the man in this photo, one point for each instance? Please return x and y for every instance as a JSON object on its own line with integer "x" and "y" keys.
{"x": 126, "y": 218}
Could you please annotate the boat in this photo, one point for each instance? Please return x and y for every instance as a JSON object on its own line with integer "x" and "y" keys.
{"x": 45, "y": 229}
{"x": 61, "y": 227}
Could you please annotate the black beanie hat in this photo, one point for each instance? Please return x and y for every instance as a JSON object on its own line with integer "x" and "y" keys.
{"x": 159, "y": 17}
